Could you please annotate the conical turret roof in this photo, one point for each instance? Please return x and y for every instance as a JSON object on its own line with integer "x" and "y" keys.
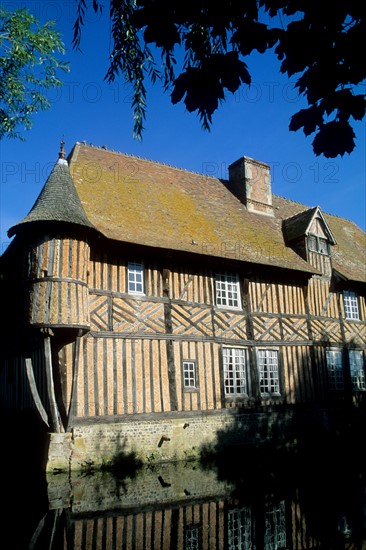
{"x": 57, "y": 202}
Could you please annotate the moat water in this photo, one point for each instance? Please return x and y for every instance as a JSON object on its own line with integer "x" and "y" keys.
{"x": 241, "y": 500}
{"x": 308, "y": 494}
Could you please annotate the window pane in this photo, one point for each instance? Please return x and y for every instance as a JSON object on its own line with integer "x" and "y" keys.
{"x": 318, "y": 244}
{"x": 193, "y": 538}
{"x": 275, "y": 526}
{"x": 357, "y": 369}
{"x": 189, "y": 374}
{"x": 350, "y": 304}
{"x": 227, "y": 290}
{"x": 268, "y": 372}
{"x": 323, "y": 246}
{"x": 335, "y": 369}
{"x": 235, "y": 375}
{"x": 135, "y": 278}
{"x": 240, "y": 529}
{"x": 312, "y": 243}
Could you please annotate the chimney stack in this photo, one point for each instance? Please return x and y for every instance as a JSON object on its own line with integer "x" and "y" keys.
{"x": 250, "y": 181}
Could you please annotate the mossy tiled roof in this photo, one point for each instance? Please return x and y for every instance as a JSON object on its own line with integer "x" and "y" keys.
{"x": 135, "y": 200}
{"x": 139, "y": 201}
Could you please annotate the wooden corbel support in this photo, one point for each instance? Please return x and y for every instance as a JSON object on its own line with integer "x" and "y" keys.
{"x": 55, "y": 415}
{"x": 33, "y": 389}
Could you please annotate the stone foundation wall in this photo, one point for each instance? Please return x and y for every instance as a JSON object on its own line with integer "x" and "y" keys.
{"x": 91, "y": 446}
{"x": 59, "y": 452}
{"x": 147, "y": 440}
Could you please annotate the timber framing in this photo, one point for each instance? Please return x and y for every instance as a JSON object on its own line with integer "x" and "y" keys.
{"x": 241, "y": 293}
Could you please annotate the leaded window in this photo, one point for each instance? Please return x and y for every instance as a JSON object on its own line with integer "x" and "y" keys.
{"x": 235, "y": 371}
{"x": 357, "y": 369}
{"x": 193, "y": 537}
{"x": 268, "y": 372}
{"x": 240, "y": 529}
{"x": 335, "y": 369}
{"x": 227, "y": 290}
{"x": 275, "y": 526}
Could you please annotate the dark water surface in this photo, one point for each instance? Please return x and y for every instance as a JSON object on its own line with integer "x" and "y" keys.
{"x": 305, "y": 494}
{"x": 242, "y": 501}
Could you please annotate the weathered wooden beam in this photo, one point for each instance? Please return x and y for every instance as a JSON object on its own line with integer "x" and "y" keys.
{"x": 75, "y": 367}
{"x": 34, "y": 391}
{"x": 55, "y": 415}
{"x": 169, "y": 345}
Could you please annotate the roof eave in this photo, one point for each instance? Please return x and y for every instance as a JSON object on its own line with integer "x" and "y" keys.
{"x": 21, "y": 227}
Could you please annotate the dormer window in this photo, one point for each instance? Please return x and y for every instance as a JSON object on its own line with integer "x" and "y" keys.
{"x": 309, "y": 234}
{"x": 318, "y": 244}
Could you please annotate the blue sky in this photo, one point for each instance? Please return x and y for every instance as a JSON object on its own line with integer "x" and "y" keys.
{"x": 252, "y": 122}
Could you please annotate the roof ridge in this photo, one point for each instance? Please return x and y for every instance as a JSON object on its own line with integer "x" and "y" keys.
{"x": 130, "y": 155}
{"x": 311, "y": 207}
{"x": 222, "y": 180}
{"x": 291, "y": 200}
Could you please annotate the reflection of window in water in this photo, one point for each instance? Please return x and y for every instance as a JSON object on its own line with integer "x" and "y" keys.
{"x": 240, "y": 529}
{"x": 193, "y": 537}
{"x": 343, "y": 526}
{"x": 274, "y": 526}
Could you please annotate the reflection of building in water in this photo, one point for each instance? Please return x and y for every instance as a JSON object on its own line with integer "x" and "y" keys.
{"x": 211, "y": 525}
{"x": 193, "y": 510}
{"x": 158, "y": 308}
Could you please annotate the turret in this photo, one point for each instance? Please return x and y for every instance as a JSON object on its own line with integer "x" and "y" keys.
{"x": 55, "y": 233}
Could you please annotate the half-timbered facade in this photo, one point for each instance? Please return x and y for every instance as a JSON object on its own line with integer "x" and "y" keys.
{"x": 155, "y": 305}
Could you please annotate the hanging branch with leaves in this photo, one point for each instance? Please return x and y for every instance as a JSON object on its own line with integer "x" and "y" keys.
{"x": 29, "y": 66}
{"x": 321, "y": 43}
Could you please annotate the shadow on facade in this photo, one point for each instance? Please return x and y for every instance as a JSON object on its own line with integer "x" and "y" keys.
{"x": 123, "y": 464}
{"x": 319, "y": 463}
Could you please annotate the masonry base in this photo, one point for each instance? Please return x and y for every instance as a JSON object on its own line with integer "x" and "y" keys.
{"x": 102, "y": 444}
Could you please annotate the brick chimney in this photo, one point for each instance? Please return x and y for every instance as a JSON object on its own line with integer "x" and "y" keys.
{"x": 250, "y": 181}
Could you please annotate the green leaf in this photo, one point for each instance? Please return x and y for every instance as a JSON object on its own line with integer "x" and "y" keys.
{"x": 29, "y": 63}
{"x": 333, "y": 139}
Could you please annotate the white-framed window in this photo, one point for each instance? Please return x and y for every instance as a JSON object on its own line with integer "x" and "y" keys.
{"x": 269, "y": 379}
{"x": 228, "y": 290}
{"x": 135, "y": 278}
{"x": 350, "y": 301}
{"x": 357, "y": 369}
{"x": 189, "y": 375}
{"x": 318, "y": 244}
{"x": 335, "y": 369}
{"x": 240, "y": 529}
{"x": 235, "y": 371}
